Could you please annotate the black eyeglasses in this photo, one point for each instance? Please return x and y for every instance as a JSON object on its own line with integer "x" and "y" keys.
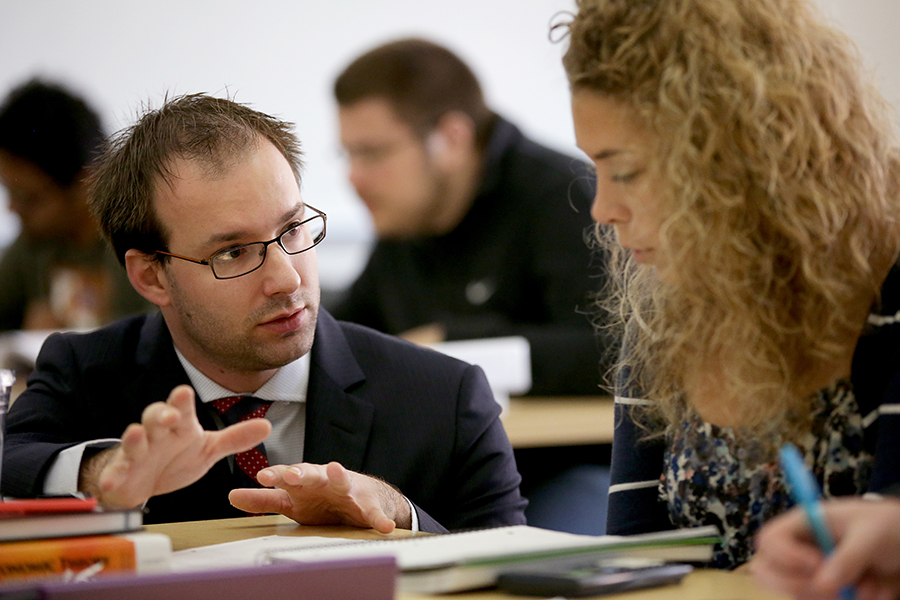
{"x": 241, "y": 260}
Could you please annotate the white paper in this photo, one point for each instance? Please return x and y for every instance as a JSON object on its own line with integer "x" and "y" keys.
{"x": 506, "y": 361}
{"x": 21, "y": 347}
{"x": 243, "y": 553}
{"x": 445, "y": 550}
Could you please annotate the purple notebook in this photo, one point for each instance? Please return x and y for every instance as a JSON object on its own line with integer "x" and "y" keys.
{"x": 371, "y": 578}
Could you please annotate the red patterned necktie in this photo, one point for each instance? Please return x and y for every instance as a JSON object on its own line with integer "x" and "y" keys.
{"x": 237, "y": 409}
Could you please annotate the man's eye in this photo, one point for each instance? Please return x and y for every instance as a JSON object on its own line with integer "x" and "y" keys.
{"x": 292, "y": 230}
{"x": 371, "y": 154}
{"x": 231, "y": 254}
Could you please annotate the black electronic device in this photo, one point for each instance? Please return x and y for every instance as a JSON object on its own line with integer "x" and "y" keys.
{"x": 575, "y": 578}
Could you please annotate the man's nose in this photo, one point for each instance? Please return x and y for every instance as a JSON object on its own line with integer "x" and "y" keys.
{"x": 281, "y": 275}
{"x": 17, "y": 203}
{"x": 358, "y": 173}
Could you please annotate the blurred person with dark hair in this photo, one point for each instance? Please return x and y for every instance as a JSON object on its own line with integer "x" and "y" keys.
{"x": 480, "y": 234}
{"x": 58, "y": 273}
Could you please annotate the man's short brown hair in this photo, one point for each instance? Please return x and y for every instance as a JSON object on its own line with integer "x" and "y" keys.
{"x": 195, "y": 127}
{"x": 421, "y": 80}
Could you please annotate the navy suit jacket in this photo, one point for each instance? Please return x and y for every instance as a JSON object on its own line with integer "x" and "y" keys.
{"x": 417, "y": 419}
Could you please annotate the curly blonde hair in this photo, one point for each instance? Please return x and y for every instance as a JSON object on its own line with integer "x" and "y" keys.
{"x": 779, "y": 169}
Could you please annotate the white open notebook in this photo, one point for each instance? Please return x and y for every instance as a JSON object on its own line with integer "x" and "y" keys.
{"x": 468, "y": 560}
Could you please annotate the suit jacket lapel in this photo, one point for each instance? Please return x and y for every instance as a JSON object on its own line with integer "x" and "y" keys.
{"x": 162, "y": 370}
{"x": 337, "y": 422}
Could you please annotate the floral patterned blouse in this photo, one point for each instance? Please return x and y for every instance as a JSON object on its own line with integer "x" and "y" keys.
{"x": 711, "y": 478}
{"x": 700, "y": 474}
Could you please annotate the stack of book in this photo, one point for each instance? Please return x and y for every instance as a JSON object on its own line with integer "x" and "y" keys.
{"x": 72, "y": 539}
{"x": 102, "y": 555}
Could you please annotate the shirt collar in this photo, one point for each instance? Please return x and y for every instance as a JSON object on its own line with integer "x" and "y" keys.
{"x": 289, "y": 384}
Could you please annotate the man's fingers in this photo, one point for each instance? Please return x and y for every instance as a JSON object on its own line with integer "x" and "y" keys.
{"x": 176, "y": 416}
{"x": 318, "y": 494}
{"x": 159, "y": 414}
{"x": 378, "y": 521}
{"x": 339, "y": 478}
{"x": 114, "y": 475}
{"x": 177, "y": 411}
{"x": 238, "y": 438}
{"x": 134, "y": 445}
{"x": 281, "y": 476}
{"x": 118, "y": 473}
{"x": 182, "y": 399}
{"x": 260, "y": 501}
{"x": 303, "y": 475}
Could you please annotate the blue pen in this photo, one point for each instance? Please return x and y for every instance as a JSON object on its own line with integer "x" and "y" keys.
{"x": 805, "y": 492}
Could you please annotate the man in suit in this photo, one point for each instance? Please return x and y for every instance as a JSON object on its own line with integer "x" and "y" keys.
{"x": 388, "y": 434}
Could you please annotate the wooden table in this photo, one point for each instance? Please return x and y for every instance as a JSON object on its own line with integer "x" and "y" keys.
{"x": 537, "y": 422}
{"x": 700, "y": 585}
{"x": 194, "y": 534}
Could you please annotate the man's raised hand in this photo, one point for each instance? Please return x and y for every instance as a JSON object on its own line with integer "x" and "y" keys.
{"x": 166, "y": 451}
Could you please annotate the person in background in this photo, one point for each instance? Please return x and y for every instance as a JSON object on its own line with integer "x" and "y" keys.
{"x": 201, "y": 202}
{"x": 480, "y": 233}
{"x": 866, "y": 555}
{"x": 58, "y": 273}
{"x": 748, "y": 173}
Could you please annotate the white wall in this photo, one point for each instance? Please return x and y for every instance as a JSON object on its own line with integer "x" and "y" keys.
{"x": 281, "y": 56}
{"x": 873, "y": 24}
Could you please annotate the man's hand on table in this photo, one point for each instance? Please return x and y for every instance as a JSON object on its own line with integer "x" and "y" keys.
{"x": 326, "y": 495}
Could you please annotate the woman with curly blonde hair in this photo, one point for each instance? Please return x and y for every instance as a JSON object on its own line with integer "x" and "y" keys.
{"x": 747, "y": 183}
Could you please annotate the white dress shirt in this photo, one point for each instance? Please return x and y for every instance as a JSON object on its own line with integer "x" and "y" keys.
{"x": 287, "y": 392}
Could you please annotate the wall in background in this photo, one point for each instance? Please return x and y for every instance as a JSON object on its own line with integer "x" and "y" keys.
{"x": 281, "y": 56}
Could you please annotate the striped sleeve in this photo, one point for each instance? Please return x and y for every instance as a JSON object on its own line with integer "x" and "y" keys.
{"x": 886, "y": 418}
{"x": 876, "y": 378}
{"x": 634, "y": 506}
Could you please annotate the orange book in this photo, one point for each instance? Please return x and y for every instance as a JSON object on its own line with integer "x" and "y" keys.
{"x": 86, "y": 555}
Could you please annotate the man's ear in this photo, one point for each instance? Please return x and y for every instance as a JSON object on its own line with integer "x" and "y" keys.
{"x": 452, "y": 143}
{"x": 147, "y": 276}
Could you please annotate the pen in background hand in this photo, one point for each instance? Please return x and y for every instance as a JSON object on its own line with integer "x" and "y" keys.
{"x": 805, "y": 491}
